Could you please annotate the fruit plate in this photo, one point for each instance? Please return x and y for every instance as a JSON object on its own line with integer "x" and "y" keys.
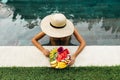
{"x": 59, "y": 58}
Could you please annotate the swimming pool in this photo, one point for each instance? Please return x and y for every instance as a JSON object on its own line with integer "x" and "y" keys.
{"x": 97, "y": 21}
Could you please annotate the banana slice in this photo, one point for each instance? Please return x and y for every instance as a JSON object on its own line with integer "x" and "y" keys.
{"x": 61, "y": 65}
{"x": 53, "y": 62}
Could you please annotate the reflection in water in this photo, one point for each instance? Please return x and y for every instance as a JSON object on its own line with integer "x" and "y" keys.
{"x": 4, "y": 1}
{"x": 113, "y": 24}
{"x": 33, "y": 23}
{"x": 5, "y": 11}
{"x": 19, "y": 31}
{"x": 15, "y": 32}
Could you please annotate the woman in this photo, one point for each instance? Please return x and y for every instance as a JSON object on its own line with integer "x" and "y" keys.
{"x": 60, "y": 30}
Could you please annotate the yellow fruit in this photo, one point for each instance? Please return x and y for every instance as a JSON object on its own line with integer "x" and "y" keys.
{"x": 51, "y": 55}
{"x": 53, "y": 62}
{"x": 57, "y": 66}
{"x": 54, "y": 50}
{"x": 53, "y": 65}
{"x": 61, "y": 65}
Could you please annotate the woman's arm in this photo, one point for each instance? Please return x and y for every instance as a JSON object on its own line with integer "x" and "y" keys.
{"x": 80, "y": 48}
{"x": 38, "y": 45}
{"x": 81, "y": 41}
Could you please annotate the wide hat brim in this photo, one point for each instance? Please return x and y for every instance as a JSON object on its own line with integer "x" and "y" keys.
{"x": 55, "y": 32}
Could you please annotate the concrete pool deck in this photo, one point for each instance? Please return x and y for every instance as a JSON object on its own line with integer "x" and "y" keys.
{"x": 30, "y": 56}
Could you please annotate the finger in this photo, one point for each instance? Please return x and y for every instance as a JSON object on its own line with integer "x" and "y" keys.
{"x": 70, "y": 63}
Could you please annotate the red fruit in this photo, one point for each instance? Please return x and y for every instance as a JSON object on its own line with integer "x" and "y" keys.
{"x": 66, "y": 50}
{"x": 59, "y": 57}
{"x": 62, "y": 55}
{"x": 60, "y": 49}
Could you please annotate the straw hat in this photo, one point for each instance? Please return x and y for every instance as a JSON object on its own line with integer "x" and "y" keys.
{"x": 56, "y": 25}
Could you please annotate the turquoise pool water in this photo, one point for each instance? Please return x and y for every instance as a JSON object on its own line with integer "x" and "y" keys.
{"x": 98, "y": 21}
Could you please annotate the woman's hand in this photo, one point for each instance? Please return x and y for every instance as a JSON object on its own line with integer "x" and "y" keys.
{"x": 46, "y": 52}
{"x": 72, "y": 60}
